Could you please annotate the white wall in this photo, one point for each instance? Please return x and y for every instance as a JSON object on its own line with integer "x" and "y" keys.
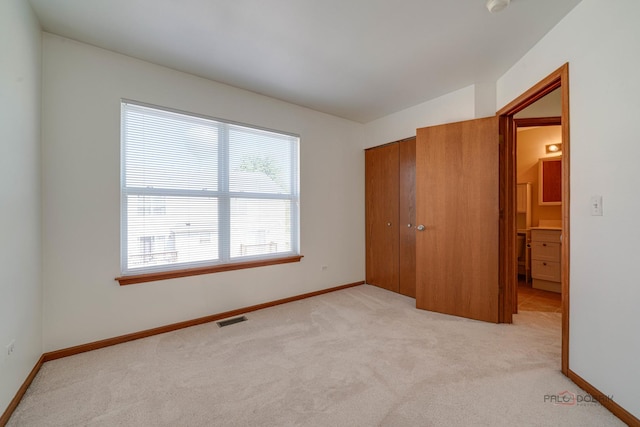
{"x": 548, "y": 106}
{"x": 600, "y": 40}
{"x": 20, "y": 196}
{"x": 82, "y": 87}
{"x": 452, "y": 107}
{"x": 485, "y": 99}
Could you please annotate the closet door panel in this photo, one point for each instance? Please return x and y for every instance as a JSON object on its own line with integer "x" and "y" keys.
{"x": 381, "y": 216}
{"x": 408, "y": 217}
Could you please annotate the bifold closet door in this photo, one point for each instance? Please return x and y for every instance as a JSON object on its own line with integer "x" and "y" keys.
{"x": 457, "y": 242}
{"x": 382, "y": 215}
{"x": 407, "y": 248}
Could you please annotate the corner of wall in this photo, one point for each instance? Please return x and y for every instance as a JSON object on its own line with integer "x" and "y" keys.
{"x": 485, "y": 99}
{"x": 452, "y": 107}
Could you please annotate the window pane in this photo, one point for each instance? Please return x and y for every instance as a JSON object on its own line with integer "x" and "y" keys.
{"x": 168, "y": 150}
{"x": 260, "y": 161}
{"x": 199, "y": 191}
{"x": 260, "y": 227}
{"x": 171, "y": 230}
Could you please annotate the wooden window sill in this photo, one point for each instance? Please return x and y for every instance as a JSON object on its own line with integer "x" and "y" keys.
{"x": 174, "y": 274}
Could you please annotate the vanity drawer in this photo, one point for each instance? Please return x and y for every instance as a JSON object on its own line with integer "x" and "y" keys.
{"x": 551, "y": 236}
{"x": 545, "y": 251}
{"x": 545, "y": 270}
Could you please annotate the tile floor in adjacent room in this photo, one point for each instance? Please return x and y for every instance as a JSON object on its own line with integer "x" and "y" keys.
{"x": 531, "y": 299}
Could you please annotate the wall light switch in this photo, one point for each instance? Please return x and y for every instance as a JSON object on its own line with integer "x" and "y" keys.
{"x": 596, "y": 205}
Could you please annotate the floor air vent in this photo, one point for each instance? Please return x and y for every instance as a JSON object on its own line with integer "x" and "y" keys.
{"x": 231, "y": 321}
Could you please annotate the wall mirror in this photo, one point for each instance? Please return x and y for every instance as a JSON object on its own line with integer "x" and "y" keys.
{"x": 550, "y": 181}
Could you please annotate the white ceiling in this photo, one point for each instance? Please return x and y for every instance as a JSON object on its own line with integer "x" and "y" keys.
{"x": 357, "y": 59}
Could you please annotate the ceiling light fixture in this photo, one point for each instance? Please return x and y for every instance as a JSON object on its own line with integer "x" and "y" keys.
{"x": 495, "y": 6}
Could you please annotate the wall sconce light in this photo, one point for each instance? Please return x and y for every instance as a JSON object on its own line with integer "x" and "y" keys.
{"x": 553, "y": 148}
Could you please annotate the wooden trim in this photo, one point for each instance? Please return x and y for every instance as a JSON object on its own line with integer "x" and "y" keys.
{"x": 557, "y": 79}
{"x": 4, "y": 419}
{"x": 174, "y": 274}
{"x": 566, "y": 190}
{"x": 507, "y": 222}
{"x": 57, "y": 354}
{"x": 538, "y": 121}
{"x": 606, "y": 401}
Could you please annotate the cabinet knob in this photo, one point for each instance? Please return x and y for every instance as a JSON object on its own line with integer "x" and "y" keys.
{"x": 544, "y": 244}
{"x": 408, "y": 225}
{"x": 420, "y": 227}
{"x": 388, "y": 224}
{"x": 544, "y": 263}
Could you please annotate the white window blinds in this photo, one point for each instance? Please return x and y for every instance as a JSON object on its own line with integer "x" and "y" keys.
{"x": 198, "y": 191}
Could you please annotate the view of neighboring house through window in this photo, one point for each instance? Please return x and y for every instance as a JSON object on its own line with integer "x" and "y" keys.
{"x": 198, "y": 191}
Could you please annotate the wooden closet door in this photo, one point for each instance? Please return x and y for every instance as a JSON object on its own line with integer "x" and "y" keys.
{"x": 381, "y": 216}
{"x": 408, "y": 217}
{"x": 458, "y": 204}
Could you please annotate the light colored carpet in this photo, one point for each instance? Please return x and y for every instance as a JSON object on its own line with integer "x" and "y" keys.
{"x": 358, "y": 357}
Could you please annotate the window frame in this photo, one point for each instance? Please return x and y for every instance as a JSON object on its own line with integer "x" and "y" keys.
{"x": 223, "y": 195}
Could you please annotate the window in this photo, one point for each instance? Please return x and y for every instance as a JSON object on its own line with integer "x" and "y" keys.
{"x": 199, "y": 192}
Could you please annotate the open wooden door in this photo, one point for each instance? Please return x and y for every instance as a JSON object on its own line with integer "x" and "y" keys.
{"x": 457, "y": 209}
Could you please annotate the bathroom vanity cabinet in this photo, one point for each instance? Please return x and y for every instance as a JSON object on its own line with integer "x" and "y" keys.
{"x": 545, "y": 258}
